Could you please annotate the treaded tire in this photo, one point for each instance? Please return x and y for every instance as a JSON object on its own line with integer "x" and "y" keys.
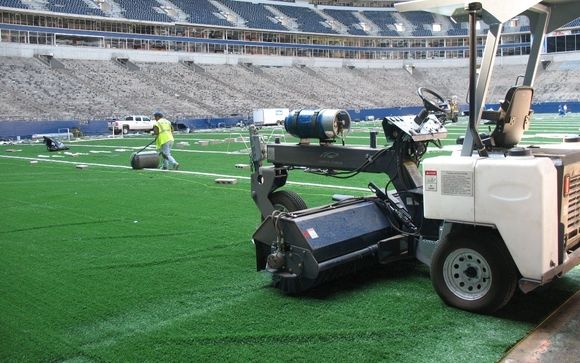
{"x": 287, "y": 201}
{"x": 474, "y": 272}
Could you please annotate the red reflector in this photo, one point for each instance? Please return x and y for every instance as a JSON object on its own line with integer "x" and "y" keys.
{"x": 566, "y": 186}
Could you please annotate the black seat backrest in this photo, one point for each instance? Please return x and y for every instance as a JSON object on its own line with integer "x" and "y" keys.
{"x": 514, "y": 118}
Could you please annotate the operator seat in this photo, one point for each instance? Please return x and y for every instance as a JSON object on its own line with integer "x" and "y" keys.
{"x": 512, "y": 118}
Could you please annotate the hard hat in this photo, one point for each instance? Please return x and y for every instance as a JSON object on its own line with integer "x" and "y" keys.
{"x": 157, "y": 114}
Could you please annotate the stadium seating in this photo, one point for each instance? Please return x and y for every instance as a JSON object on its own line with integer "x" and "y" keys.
{"x": 348, "y": 19}
{"x": 310, "y": 21}
{"x": 384, "y": 20}
{"x": 256, "y": 15}
{"x": 98, "y": 89}
{"x": 573, "y": 23}
{"x": 422, "y": 33}
{"x": 457, "y": 29}
{"x": 78, "y": 7}
{"x": 419, "y": 18}
{"x": 144, "y": 10}
{"x": 201, "y": 12}
{"x": 13, "y": 4}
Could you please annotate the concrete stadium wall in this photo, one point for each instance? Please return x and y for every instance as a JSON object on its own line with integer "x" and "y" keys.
{"x": 88, "y": 53}
{"x": 66, "y": 52}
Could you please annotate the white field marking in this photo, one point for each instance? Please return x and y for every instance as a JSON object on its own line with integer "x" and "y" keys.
{"x": 555, "y": 129}
{"x": 529, "y": 134}
{"x": 210, "y": 139}
{"x": 172, "y": 150}
{"x": 549, "y": 136}
{"x": 181, "y": 172}
{"x": 430, "y": 149}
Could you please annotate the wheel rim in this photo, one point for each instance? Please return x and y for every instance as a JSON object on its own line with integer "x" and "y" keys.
{"x": 467, "y": 274}
{"x": 280, "y": 207}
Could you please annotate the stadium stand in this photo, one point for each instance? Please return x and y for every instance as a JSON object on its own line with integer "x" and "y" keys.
{"x": 383, "y": 19}
{"x": 102, "y": 88}
{"x": 13, "y": 4}
{"x": 77, "y": 7}
{"x": 348, "y": 19}
{"x": 256, "y": 15}
{"x": 573, "y": 23}
{"x": 83, "y": 88}
{"x": 421, "y": 22}
{"x": 202, "y": 12}
{"x": 148, "y": 10}
{"x": 310, "y": 21}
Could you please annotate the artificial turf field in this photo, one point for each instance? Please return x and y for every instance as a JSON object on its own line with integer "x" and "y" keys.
{"x": 111, "y": 264}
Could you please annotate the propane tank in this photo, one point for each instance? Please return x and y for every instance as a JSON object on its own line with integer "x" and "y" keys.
{"x": 325, "y": 125}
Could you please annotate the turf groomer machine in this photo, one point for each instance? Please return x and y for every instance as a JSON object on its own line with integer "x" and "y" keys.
{"x": 486, "y": 220}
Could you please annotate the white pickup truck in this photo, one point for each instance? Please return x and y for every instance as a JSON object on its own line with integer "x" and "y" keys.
{"x": 132, "y": 123}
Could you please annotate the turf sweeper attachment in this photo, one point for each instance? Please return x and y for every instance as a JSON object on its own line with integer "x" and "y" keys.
{"x": 304, "y": 247}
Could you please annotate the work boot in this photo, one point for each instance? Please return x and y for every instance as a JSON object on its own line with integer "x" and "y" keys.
{"x": 176, "y": 166}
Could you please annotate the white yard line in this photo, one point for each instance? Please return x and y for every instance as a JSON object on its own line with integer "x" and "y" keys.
{"x": 135, "y": 148}
{"x": 177, "y": 171}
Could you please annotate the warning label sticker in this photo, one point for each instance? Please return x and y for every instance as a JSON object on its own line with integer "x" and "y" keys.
{"x": 312, "y": 233}
{"x": 430, "y": 180}
{"x": 459, "y": 183}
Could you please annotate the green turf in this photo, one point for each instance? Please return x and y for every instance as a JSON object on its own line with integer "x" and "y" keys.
{"x": 112, "y": 264}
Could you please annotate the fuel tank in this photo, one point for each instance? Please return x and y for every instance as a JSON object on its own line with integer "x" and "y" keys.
{"x": 321, "y": 124}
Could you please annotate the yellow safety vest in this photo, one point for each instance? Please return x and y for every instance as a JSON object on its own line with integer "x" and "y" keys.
{"x": 165, "y": 134}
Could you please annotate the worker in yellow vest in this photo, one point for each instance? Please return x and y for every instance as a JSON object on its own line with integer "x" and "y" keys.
{"x": 164, "y": 142}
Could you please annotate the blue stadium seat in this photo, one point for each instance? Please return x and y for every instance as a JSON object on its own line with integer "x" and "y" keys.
{"x": 573, "y": 23}
{"x": 143, "y": 10}
{"x": 73, "y": 7}
{"x": 13, "y": 4}
{"x": 346, "y": 18}
{"x": 422, "y": 33}
{"x": 308, "y": 20}
{"x": 457, "y": 31}
{"x": 256, "y": 15}
{"x": 383, "y": 19}
{"x": 419, "y": 19}
{"x": 201, "y": 12}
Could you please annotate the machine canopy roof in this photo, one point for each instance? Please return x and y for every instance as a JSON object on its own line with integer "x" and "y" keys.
{"x": 499, "y": 11}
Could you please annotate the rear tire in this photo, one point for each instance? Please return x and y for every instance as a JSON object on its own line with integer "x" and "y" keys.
{"x": 474, "y": 272}
{"x": 125, "y": 130}
{"x": 287, "y": 201}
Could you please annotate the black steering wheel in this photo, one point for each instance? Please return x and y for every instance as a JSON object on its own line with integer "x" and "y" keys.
{"x": 432, "y": 100}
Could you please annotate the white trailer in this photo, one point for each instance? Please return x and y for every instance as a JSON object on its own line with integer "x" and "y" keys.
{"x": 270, "y": 116}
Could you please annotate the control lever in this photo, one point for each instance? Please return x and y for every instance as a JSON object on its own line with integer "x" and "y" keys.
{"x": 392, "y": 208}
